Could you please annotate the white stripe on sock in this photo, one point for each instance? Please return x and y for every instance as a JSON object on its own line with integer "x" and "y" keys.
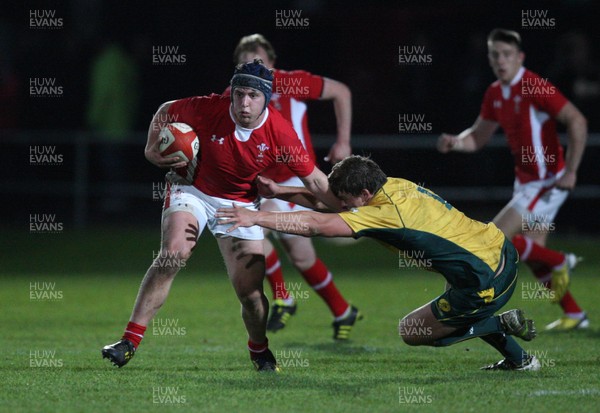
{"x": 273, "y": 268}
{"x": 346, "y": 314}
{"x": 323, "y": 284}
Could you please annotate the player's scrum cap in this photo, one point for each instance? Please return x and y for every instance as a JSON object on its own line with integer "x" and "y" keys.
{"x": 254, "y": 75}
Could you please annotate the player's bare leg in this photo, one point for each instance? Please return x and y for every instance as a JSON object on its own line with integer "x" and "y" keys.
{"x": 245, "y": 262}
{"x": 421, "y": 327}
{"x": 179, "y": 235}
{"x": 509, "y": 221}
{"x": 301, "y": 252}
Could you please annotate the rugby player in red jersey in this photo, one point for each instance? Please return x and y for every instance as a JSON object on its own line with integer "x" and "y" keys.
{"x": 291, "y": 89}
{"x": 528, "y": 107}
{"x": 239, "y": 138}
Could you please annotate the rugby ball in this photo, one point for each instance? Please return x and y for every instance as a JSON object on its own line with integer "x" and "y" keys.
{"x": 179, "y": 139}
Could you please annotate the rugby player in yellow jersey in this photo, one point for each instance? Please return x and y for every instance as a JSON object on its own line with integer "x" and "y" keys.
{"x": 477, "y": 261}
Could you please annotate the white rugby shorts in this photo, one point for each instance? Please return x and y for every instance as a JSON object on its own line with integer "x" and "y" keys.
{"x": 190, "y": 199}
{"x": 538, "y": 200}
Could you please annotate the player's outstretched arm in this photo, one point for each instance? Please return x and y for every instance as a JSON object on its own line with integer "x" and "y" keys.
{"x": 318, "y": 184}
{"x": 152, "y": 151}
{"x": 342, "y": 107}
{"x": 577, "y": 132}
{"x": 305, "y": 223}
{"x": 469, "y": 140}
{"x": 267, "y": 188}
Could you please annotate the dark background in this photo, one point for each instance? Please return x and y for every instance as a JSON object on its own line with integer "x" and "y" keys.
{"x": 354, "y": 42}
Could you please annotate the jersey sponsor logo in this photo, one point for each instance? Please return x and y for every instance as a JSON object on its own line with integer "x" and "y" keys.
{"x": 218, "y": 140}
{"x": 497, "y": 104}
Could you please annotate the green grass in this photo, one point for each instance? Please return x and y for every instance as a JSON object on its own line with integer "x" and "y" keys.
{"x": 204, "y": 364}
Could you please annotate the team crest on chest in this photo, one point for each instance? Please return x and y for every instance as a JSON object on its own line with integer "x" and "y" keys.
{"x": 261, "y": 151}
{"x": 517, "y": 99}
{"x": 497, "y": 104}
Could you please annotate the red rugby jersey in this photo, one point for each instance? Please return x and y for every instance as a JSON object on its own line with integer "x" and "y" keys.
{"x": 232, "y": 156}
{"x": 526, "y": 110}
{"x": 290, "y": 90}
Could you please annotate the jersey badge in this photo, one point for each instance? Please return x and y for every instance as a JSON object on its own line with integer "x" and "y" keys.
{"x": 517, "y": 101}
{"x": 261, "y": 151}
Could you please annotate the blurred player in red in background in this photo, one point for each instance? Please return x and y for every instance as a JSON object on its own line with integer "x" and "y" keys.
{"x": 239, "y": 138}
{"x": 290, "y": 91}
{"x": 527, "y": 107}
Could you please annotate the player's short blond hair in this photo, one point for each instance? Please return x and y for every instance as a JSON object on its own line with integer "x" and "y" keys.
{"x": 251, "y": 43}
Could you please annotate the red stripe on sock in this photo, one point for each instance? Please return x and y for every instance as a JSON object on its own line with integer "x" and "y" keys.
{"x": 315, "y": 275}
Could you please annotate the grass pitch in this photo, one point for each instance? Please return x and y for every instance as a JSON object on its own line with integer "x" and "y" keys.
{"x": 72, "y": 293}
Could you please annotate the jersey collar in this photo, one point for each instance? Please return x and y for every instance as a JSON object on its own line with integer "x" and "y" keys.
{"x": 518, "y": 76}
{"x": 243, "y": 134}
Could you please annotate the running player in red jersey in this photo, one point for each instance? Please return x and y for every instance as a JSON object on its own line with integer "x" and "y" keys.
{"x": 290, "y": 90}
{"x": 527, "y": 107}
{"x": 239, "y": 138}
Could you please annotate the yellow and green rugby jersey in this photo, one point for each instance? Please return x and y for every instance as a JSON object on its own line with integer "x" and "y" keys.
{"x": 412, "y": 218}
